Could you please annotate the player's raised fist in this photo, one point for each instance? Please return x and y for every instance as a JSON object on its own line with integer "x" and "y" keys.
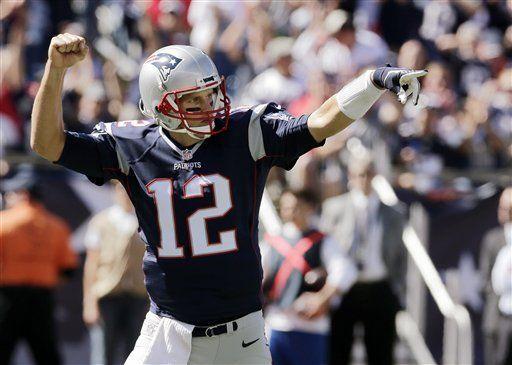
{"x": 66, "y": 50}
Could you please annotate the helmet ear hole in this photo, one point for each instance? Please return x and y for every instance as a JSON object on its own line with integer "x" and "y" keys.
{"x": 143, "y": 110}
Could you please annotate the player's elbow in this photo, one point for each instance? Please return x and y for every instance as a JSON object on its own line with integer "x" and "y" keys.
{"x": 50, "y": 153}
{"x": 317, "y": 129}
{"x": 35, "y": 146}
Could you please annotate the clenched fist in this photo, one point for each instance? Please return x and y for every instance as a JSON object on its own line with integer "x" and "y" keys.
{"x": 66, "y": 50}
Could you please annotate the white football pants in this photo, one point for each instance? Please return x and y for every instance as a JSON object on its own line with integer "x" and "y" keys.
{"x": 167, "y": 341}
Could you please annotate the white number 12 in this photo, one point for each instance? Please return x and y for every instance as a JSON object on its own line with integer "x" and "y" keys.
{"x": 162, "y": 192}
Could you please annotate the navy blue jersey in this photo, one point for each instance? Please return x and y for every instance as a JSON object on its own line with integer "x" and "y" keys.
{"x": 197, "y": 207}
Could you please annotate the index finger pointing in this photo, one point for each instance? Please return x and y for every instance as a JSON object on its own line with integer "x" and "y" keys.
{"x": 412, "y": 75}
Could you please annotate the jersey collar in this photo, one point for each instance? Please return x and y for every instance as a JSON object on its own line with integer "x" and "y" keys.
{"x": 186, "y": 154}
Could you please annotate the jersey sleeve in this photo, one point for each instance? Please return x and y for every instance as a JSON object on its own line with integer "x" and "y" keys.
{"x": 274, "y": 133}
{"x": 93, "y": 155}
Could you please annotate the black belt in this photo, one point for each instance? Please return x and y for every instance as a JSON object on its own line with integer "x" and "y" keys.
{"x": 212, "y": 330}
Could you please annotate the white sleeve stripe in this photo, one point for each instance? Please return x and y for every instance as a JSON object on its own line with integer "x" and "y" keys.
{"x": 123, "y": 164}
{"x": 255, "y": 135}
{"x": 108, "y": 129}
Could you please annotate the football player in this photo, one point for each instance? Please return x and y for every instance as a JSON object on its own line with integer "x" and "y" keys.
{"x": 195, "y": 171}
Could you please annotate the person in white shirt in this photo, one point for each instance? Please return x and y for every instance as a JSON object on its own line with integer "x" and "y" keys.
{"x": 278, "y": 82}
{"x": 492, "y": 270}
{"x": 348, "y": 49}
{"x": 304, "y": 270}
{"x": 502, "y": 282}
{"x": 115, "y": 300}
{"x": 370, "y": 232}
{"x": 502, "y": 279}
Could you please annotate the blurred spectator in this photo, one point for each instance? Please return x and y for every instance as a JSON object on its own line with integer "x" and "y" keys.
{"x": 169, "y": 20}
{"x": 486, "y": 148}
{"x": 12, "y": 75}
{"x": 115, "y": 299}
{"x": 348, "y": 49}
{"x": 439, "y": 18}
{"x": 438, "y": 87}
{"x": 412, "y": 55}
{"x": 36, "y": 254}
{"x": 471, "y": 51}
{"x": 502, "y": 285}
{"x": 209, "y": 19}
{"x": 320, "y": 87}
{"x": 277, "y": 82}
{"x": 366, "y": 15}
{"x": 93, "y": 107}
{"x": 396, "y": 33}
{"x": 499, "y": 17}
{"x": 259, "y": 33}
{"x": 493, "y": 325}
{"x": 303, "y": 271}
{"x": 371, "y": 234}
{"x": 499, "y": 99}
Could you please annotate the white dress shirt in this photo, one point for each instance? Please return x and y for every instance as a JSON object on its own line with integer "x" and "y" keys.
{"x": 368, "y": 222}
{"x": 272, "y": 85}
{"x": 502, "y": 274}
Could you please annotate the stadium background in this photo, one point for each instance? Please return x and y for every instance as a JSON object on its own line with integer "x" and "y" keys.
{"x": 451, "y": 155}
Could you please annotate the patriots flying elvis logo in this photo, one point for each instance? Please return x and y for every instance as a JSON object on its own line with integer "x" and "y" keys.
{"x": 165, "y": 63}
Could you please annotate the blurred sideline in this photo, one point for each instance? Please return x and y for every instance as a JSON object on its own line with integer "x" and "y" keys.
{"x": 457, "y": 342}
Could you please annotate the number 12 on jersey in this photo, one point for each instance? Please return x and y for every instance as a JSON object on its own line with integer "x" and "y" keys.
{"x": 162, "y": 192}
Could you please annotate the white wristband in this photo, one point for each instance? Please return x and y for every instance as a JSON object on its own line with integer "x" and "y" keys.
{"x": 358, "y": 96}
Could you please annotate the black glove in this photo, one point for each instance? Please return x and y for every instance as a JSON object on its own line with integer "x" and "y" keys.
{"x": 402, "y": 81}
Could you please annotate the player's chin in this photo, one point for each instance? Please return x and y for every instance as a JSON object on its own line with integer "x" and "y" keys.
{"x": 197, "y": 126}
{"x": 197, "y": 123}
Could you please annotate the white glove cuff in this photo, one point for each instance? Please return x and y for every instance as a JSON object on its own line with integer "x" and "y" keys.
{"x": 358, "y": 96}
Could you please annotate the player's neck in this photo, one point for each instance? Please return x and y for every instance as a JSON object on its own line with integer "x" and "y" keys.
{"x": 182, "y": 138}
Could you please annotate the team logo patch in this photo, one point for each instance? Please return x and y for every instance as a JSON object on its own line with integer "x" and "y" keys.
{"x": 165, "y": 63}
{"x": 283, "y": 115}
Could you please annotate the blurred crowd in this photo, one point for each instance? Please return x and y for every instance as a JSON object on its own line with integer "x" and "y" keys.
{"x": 296, "y": 53}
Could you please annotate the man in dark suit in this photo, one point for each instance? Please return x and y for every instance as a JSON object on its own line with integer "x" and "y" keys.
{"x": 493, "y": 241}
{"x": 371, "y": 234}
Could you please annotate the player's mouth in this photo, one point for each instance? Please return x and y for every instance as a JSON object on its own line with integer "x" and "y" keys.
{"x": 197, "y": 123}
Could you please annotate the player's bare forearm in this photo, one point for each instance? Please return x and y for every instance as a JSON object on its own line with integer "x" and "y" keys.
{"x": 327, "y": 120}
{"x": 47, "y": 132}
